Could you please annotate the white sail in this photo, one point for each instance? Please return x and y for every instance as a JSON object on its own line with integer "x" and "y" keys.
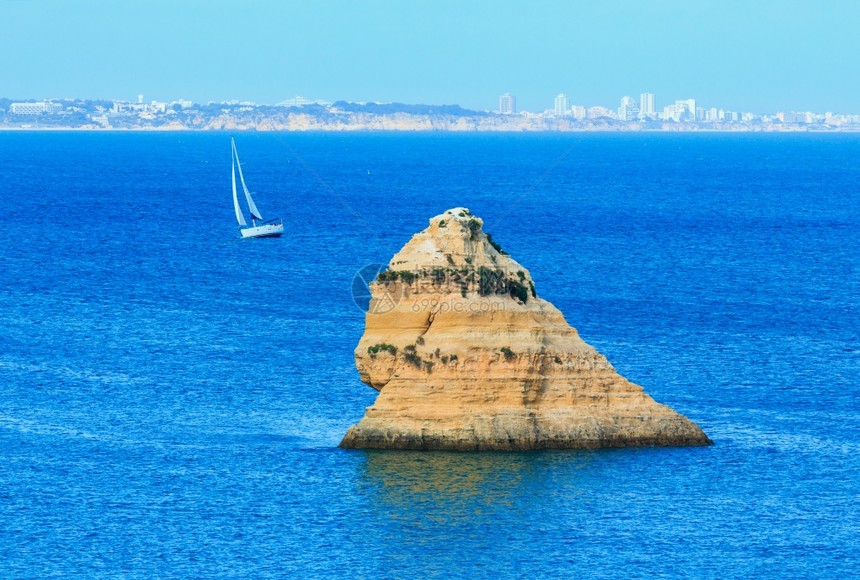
{"x": 254, "y": 211}
{"x": 239, "y": 215}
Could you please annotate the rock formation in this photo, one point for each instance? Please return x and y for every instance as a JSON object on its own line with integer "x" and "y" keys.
{"x": 466, "y": 356}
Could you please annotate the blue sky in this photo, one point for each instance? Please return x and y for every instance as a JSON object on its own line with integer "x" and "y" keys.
{"x": 759, "y": 56}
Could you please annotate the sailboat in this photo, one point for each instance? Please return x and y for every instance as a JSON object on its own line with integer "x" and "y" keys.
{"x": 266, "y": 229}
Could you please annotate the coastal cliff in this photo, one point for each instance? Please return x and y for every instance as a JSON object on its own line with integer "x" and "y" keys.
{"x": 466, "y": 356}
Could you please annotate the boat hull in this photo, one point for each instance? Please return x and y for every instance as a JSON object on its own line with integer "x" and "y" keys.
{"x": 263, "y": 231}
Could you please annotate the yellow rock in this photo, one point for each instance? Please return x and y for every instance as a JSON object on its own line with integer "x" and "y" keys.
{"x": 466, "y": 356}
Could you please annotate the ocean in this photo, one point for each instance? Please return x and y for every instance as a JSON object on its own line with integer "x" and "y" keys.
{"x": 172, "y": 397}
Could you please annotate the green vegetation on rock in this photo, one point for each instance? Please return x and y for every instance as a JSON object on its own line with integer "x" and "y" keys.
{"x": 381, "y": 347}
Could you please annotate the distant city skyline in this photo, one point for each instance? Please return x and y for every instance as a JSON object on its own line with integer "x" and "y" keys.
{"x": 765, "y": 56}
{"x": 300, "y": 113}
{"x": 647, "y": 107}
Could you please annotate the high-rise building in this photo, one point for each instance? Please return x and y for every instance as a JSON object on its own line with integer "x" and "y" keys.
{"x": 577, "y": 112}
{"x": 689, "y": 105}
{"x": 507, "y": 104}
{"x": 561, "y": 106}
{"x": 682, "y": 110}
{"x": 628, "y": 110}
{"x": 647, "y": 105}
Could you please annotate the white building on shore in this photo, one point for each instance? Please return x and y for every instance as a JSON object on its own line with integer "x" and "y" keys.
{"x": 629, "y": 110}
{"x": 507, "y": 104}
{"x": 647, "y": 106}
{"x": 35, "y": 108}
{"x": 561, "y": 105}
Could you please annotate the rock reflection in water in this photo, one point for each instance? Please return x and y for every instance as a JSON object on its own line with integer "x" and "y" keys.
{"x": 473, "y": 506}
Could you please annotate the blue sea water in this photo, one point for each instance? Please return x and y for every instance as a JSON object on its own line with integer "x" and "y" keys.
{"x": 171, "y": 398}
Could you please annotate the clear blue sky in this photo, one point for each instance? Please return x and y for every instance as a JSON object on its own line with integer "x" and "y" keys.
{"x": 761, "y": 56}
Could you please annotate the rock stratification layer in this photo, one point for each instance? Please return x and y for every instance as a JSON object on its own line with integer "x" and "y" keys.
{"x": 466, "y": 356}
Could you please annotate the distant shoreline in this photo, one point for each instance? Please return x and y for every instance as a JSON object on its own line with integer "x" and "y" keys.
{"x": 362, "y": 129}
{"x": 344, "y": 117}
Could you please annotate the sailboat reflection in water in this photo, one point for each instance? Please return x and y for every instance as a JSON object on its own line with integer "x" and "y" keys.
{"x": 267, "y": 229}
